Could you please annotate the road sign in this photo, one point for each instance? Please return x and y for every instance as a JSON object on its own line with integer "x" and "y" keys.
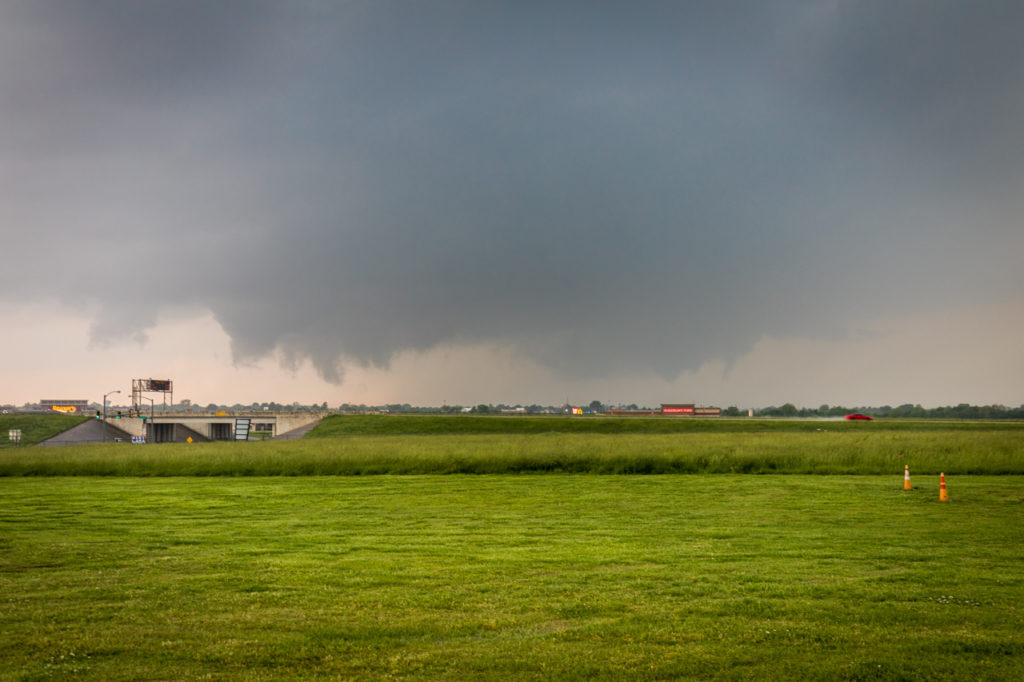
{"x": 14, "y": 435}
{"x": 242, "y": 428}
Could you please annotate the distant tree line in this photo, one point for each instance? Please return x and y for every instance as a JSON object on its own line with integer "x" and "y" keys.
{"x": 961, "y": 411}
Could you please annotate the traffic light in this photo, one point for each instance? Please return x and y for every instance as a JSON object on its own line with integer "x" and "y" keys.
{"x": 99, "y": 415}
{"x": 119, "y": 414}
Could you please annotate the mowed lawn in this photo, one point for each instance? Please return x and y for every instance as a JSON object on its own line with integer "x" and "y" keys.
{"x": 511, "y": 577}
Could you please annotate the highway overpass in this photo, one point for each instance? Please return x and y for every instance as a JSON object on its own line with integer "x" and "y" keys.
{"x": 178, "y": 427}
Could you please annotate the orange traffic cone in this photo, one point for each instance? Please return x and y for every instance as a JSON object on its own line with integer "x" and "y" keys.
{"x": 906, "y": 477}
{"x": 943, "y": 495}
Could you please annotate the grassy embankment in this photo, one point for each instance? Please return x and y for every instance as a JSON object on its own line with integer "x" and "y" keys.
{"x": 35, "y": 428}
{"x": 413, "y": 424}
{"x": 363, "y": 445}
{"x": 511, "y": 577}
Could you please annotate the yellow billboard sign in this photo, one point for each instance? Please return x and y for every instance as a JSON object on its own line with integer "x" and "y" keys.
{"x": 63, "y": 408}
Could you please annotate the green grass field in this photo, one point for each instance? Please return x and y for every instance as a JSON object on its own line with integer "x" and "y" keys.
{"x": 285, "y": 560}
{"x": 500, "y": 577}
{"x": 954, "y": 451}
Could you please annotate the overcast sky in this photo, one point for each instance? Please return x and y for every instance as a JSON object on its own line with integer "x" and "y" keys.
{"x": 742, "y": 203}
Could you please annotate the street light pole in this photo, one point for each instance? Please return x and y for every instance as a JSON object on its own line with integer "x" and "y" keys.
{"x": 105, "y": 414}
{"x": 152, "y": 424}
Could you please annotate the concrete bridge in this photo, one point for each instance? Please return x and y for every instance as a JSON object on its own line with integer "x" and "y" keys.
{"x": 178, "y": 427}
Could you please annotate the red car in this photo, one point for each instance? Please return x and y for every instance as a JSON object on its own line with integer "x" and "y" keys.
{"x": 860, "y": 417}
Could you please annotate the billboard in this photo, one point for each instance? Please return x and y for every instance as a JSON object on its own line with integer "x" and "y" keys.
{"x": 140, "y": 386}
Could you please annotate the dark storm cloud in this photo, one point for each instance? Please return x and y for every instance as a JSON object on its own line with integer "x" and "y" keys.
{"x": 608, "y": 187}
{"x": 939, "y": 80}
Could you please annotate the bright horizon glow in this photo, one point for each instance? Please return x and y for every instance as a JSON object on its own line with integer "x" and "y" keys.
{"x": 872, "y": 368}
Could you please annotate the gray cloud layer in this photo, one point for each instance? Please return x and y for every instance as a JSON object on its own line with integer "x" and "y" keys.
{"x": 610, "y": 187}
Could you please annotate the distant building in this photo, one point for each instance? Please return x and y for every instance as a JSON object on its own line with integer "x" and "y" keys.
{"x": 690, "y": 410}
{"x": 65, "y": 406}
{"x": 623, "y": 412}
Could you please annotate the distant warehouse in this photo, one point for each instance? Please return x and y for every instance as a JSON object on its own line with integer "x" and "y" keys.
{"x": 65, "y": 406}
{"x": 670, "y": 409}
{"x": 689, "y": 410}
